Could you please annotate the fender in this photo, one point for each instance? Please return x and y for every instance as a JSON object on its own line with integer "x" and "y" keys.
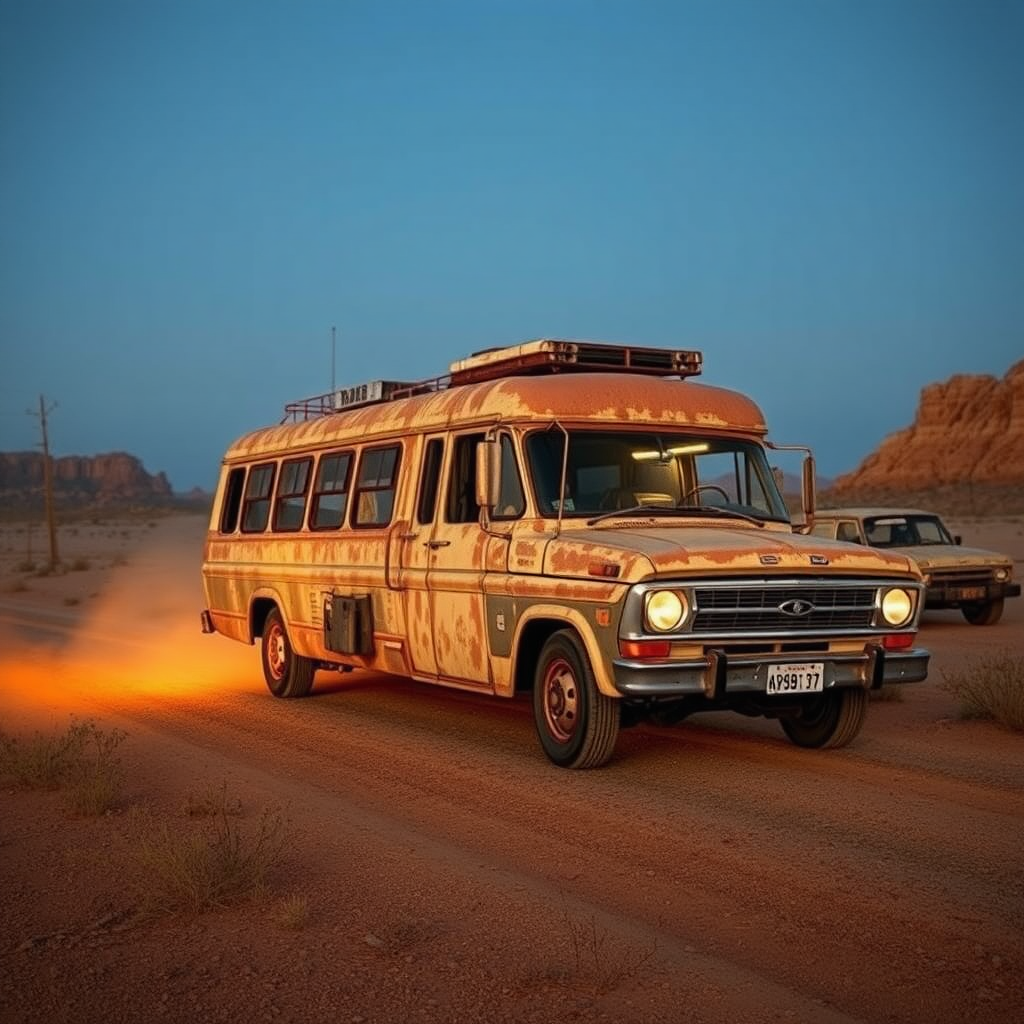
{"x": 571, "y": 617}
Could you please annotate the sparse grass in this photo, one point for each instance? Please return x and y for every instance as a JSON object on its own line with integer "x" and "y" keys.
{"x": 602, "y": 963}
{"x": 212, "y": 802}
{"x": 82, "y": 760}
{"x": 292, "y": 912}
{"x": 26, "y": 565}
{"x": 118, "y": 561}
{"x": 81, "y": 565}
{"x": 992, "y": 688}
{"x": 17, "y": 587}
{"x": 72, "y": 601}
{"x": 206, "y": 867}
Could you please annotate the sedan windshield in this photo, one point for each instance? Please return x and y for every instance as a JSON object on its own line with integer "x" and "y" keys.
{"x": 905, "y": 531}
{"x": 618, "y": 470}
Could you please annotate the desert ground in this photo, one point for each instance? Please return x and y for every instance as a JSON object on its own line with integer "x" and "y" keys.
{"x": 435, "y": 867}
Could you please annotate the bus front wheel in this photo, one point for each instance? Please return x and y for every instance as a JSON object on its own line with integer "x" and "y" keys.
{"x": 829, "y": 719}
{"x": 577, "y": 724}
{"x": 287, "y": 673}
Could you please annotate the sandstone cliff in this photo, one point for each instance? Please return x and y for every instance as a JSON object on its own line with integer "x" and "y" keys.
{"x": 113, "y": 479}
{"x": 967, "y": 439}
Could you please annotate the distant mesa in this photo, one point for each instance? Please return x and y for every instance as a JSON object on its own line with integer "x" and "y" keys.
{"x": 111, "y": 480}
{"x": 964, "y": 451}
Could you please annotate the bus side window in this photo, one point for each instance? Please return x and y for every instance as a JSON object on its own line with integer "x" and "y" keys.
{"x": 256, "y": 507}
{"x": 330, "y": 493}
{"x": 430, "y": 477}
{"x": 232, "y": 501}
{"x": 375, "y": 490}
{"x": 511, "y": 501}
{"x": 292, "y": 486}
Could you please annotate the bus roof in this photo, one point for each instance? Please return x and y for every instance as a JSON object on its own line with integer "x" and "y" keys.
{"x": 591, "y": 398}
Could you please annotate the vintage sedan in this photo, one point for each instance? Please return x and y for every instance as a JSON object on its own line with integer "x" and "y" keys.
{"x": 971, "y": 579}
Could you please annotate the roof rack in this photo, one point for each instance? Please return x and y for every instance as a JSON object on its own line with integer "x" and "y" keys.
{"x": 531, "y": 358}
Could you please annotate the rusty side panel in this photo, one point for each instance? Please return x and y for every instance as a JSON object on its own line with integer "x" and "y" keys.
{"x": 299, "y": 572}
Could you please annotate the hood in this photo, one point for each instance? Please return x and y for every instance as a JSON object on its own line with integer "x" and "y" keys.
{"x": 709, "y": 549}
{"x": 952, "y": 556}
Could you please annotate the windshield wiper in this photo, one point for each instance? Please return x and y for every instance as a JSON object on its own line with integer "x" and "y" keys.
{"x": 677, "y": 510}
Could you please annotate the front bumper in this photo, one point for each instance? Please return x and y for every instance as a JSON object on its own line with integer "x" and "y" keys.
{"x": 952, "y": 594}
{"x": 719, "y": 674}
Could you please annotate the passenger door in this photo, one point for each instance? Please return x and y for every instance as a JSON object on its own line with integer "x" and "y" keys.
{"x": 415, "y": 553}
{"x": 456, "y": 550}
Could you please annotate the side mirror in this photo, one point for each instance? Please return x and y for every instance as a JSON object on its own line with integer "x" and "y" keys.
{"x": 957, "y": 539}
{"x": 807, "y": 490}
{"x": 488, "y": 474}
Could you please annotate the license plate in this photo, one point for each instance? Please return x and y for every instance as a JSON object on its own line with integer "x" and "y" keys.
{"x": 800, "y": 677}
{"x": 971, "y": 593}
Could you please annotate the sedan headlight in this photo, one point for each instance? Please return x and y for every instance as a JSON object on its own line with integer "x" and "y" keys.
{"x": 897, "y": 607}
{"x": 664, "y": 610}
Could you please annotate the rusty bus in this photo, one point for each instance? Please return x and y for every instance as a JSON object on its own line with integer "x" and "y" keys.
{"x": 577, "y": 520}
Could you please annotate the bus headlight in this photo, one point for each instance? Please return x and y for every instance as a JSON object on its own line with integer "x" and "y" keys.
{"x": 664, "y": 610}
{"x": 897, "y": 607}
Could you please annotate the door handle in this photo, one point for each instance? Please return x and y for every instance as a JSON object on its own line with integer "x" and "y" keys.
{"x": 435, "y": 544}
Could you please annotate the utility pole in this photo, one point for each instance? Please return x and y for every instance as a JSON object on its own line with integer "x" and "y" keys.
{"x": 332, "y": 365}
{"x": 51, "y": 520}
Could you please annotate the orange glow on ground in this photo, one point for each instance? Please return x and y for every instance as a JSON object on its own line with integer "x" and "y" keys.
{"x": 137, "y": 641}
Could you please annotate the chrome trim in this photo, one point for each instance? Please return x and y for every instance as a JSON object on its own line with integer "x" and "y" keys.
{"x": 632, "y": 625}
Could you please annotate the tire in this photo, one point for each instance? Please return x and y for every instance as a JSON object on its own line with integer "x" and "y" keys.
{"x": 287, "y": 673}
{"x": 830, "y": 720}
{"x": 577, "y": 724}
{"x": 983, "y": 613}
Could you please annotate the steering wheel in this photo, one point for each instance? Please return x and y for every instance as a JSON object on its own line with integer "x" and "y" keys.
{"x": 705, "y": 487}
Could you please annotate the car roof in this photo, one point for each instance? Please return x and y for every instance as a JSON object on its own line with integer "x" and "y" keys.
{"x": 868, "y": 512}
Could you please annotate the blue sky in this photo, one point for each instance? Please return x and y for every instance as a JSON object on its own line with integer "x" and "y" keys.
{"x": 825, "y": 196}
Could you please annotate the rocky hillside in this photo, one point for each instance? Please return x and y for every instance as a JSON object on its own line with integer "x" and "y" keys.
{"x": 115, "y": 479}
{"x": 964, "y": 451}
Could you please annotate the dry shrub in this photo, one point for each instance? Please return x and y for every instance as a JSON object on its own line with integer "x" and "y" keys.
{"x": 292, "y": 912}
{"x": 211, "y": 802}
{"x": 82, "y": 760}
{"x": 991, "y": 687}
{"x": 601, "y": 963}
{"x": 208, "y": 866}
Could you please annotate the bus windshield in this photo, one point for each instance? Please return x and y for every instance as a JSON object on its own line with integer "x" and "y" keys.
{"x": 608, "y": 470}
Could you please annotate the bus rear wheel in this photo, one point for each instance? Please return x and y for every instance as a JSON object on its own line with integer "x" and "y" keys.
{"x": 577, "y": 724}
{"x": 287, "y": 673}
{"x": 831, "y": 719}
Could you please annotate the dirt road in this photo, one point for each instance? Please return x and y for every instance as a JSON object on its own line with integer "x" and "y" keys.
{"x": 711, "y": 873}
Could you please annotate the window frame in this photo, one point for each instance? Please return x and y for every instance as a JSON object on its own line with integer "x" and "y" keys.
{"x": 280, "y": 497}
{"x": 317, "y": 493}
{"x": 360, "y": 488}
{"x": 249, "y": 501}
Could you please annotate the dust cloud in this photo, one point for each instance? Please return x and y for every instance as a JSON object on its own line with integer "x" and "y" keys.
{"x": 136, "y": 641}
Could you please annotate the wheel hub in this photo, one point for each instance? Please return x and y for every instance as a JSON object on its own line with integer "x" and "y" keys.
{"x": 561, "y": 700}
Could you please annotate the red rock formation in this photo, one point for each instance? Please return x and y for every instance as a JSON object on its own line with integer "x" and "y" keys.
{"x": 968, "y": 431}
{"x": 963, "y": 454}
{"x": 114, "y": 478}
